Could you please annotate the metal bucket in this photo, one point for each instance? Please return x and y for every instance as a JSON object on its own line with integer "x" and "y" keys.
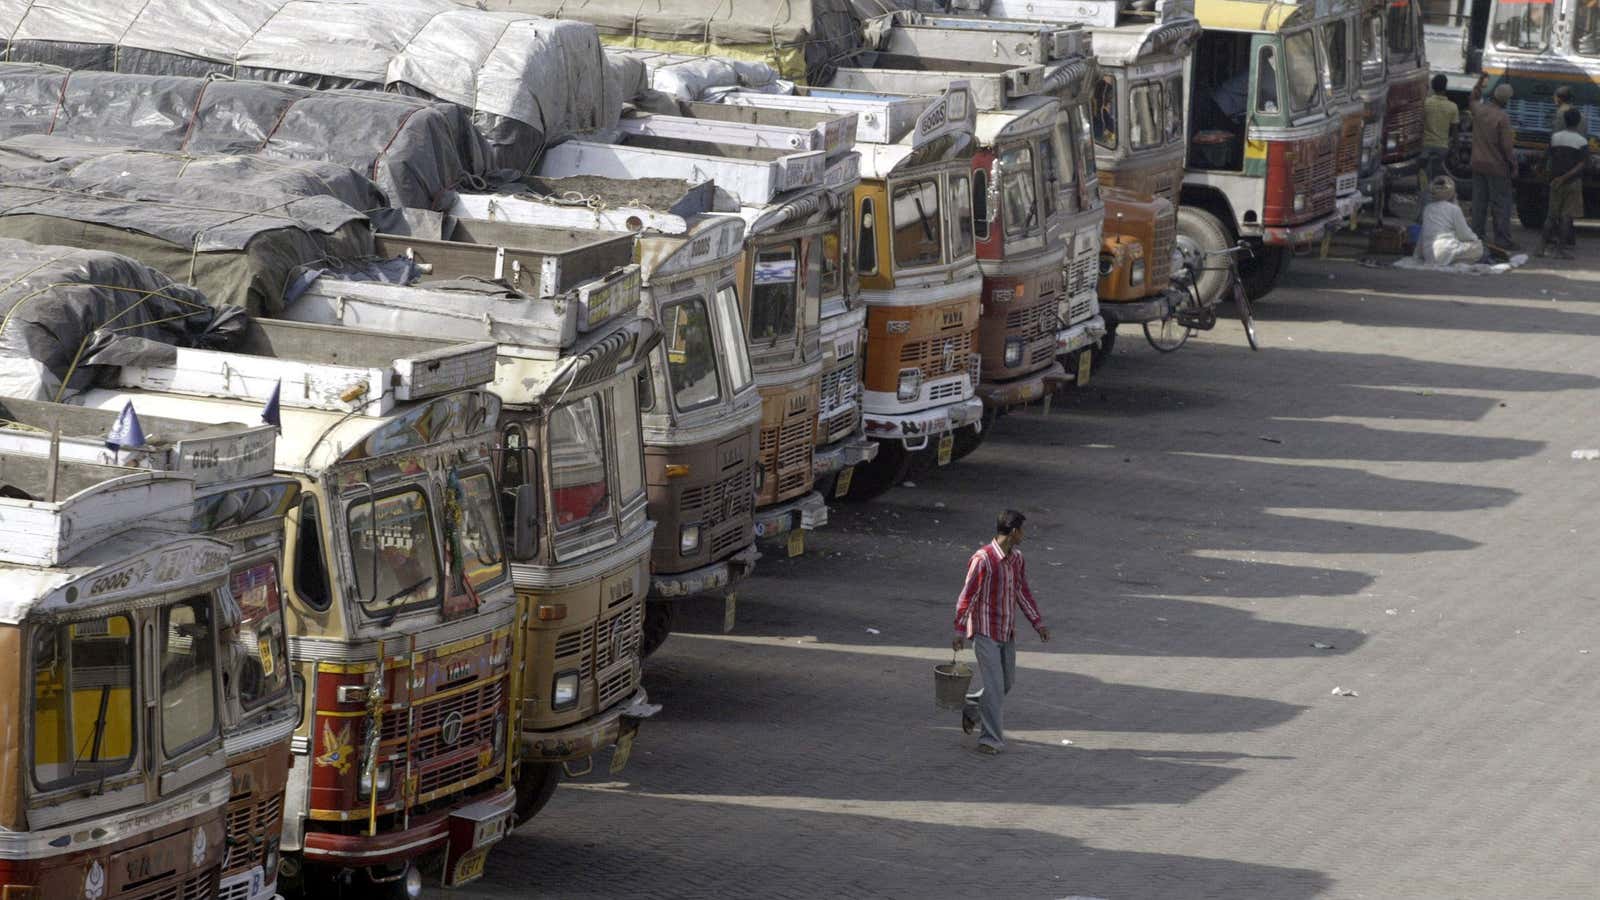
{"x": 950, "y": 682}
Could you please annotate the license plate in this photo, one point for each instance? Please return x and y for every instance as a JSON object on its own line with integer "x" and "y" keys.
{"x": 842, "y": 486}
{"x": 624, "y": 749}
{"x": 470, "y": 868}
{"x": 730, "y": 606}
{"x": 947, "y": 443}
{"x": 797, "y": 542}
{"x": 1085, "y": 362}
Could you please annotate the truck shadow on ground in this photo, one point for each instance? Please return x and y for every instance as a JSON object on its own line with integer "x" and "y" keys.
{"x": 660, "y": 850}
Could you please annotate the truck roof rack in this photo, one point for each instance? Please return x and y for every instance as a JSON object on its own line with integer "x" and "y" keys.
{"x": 320, "y": 367}
{"x": 596, "y": 202}
{"x": 211, "y": 454}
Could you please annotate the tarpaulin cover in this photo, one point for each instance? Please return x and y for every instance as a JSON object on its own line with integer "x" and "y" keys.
{"x": 526, "y": 79}
{"x": 416, "y": 150}
{"x": 801, "y": 39}
{"x": 692, "y": 77}
{"x": 237, "y": 227}
{"x": 66, "y": 314}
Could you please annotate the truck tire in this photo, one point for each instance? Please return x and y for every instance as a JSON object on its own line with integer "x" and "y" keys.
{"x": 657, "y": 626}
{"x": 872, "y": 479}
{"x": 535, "y": 783}
{"x": 1199, "y": 233}
{"x": 1533, "y": 204}
{"x": 1261, "y": 273}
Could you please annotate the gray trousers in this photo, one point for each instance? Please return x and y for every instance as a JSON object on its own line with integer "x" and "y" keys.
{"x": 997, "y": 668}
{"x": 1492, "y": 191}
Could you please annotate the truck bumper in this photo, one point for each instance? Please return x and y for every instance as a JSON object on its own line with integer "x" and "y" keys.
{"x": 1021, "y": 391}
{"x": 808, "y": 512}
{"x": 427, "y": 834}
{"x": 843, "y": 454}
{"x": 916, "y": 428}
{"x": 586, "y": 738}
{"x": 1150, "y": 309}
{"x": 705, "y": 579}
{"x": 1292, "y": 235}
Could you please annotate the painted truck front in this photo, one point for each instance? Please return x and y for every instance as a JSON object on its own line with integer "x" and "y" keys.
{"x": 1536, "y": 48}
{"x": 841, "y": 439}
{"x": 1406, "y": 73}
{"x": 239, "y": 501}
{"x": 110, "y": 639}
{"x": 1263, "y": 143}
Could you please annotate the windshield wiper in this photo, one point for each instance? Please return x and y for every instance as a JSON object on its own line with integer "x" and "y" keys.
{"x": 927, "y": 229}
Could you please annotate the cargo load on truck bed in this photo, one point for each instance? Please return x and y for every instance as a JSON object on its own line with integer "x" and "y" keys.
{"x": 527, "y": 80}
{"x": 418, "y": 151}
{"x": 236, "y": 227}
{"x": 66, "y": 313}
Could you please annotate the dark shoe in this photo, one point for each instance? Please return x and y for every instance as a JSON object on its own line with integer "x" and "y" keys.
{"x": 1564, "y": 253}
{"x": 986, "y": 750}
{"x": 968, "y": 724}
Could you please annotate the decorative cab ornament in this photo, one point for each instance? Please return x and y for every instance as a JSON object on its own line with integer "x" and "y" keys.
{"x": 94, "y": 883}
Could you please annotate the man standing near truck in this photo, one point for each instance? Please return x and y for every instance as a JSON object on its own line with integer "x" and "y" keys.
{"x": 1439, "y": 122}
{"x": 1494, "y": 162}
{"x": 997, "y": 585}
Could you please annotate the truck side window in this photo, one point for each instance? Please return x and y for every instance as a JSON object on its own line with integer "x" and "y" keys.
{"x": 1267, "y": 82}
{"x": 867, "y": 243}
{"x": 310, "y": 570}
{"x": 980, "y": 203}
{"x": 646, "y": 390}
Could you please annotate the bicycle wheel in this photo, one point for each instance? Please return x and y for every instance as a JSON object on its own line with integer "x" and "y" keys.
{"x": 1241, "y": 302}
{"x": 1168, "y": 334}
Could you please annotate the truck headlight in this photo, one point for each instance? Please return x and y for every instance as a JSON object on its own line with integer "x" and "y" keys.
{"x": 1299, "y": 203}
{"x": 1136, "y": 273}
{"x": 564, "y": 693}
{"x": 1391, "y": 142}
{"x": 761, "y": 479}
{"x": 1107, "y": 263}
{"x": 1013, "y": 357}
{"x": 688, "y": 539}
{"x": 380, "y": 773}
{"x": 910, "y": 385}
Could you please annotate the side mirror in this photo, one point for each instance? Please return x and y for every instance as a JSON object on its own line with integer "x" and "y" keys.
{"x": 525, "y": 523}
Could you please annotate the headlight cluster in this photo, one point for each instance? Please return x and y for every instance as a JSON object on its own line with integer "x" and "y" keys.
{"x": 909, "y": 386}
{"x": 688, "y": 539}
{"x": 1014, "y": 348}
{"x": 1136, "y": 273}
{"x": 1299, "y": 202}
{"x": 1391, "y": 142}
{"x": 564, "y": 693}
{"x": 381, "y": 773}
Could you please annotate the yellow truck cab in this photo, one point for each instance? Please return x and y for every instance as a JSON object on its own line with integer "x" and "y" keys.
{"x": 700, "y": 406}
{"x": 110, "y": 635}
{"x": 573, "y": 353}
{"x": 239, "y": 500}
{"x": 400, "y": 609}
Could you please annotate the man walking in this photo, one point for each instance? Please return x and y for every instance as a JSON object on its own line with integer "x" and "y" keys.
{"x": 997, "y": 585}
{"x": 1494, "y": 162}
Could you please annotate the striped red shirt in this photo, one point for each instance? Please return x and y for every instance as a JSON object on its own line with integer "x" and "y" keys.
{"x": 997, "y": 583}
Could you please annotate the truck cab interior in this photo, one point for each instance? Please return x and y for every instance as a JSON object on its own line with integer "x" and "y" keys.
{"x": 1219, "y": 99}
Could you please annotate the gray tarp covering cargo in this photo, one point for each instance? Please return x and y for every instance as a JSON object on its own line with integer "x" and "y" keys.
{"x": 527, "y": 80}
{"x": 801, "y": 39}
{"x": 236, "y": 227}
{"x": 417, "y": 150}
{"x": 65, "y": 313}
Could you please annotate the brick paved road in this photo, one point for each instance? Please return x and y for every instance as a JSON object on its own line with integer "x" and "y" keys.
{"x": 1392, "y": 477}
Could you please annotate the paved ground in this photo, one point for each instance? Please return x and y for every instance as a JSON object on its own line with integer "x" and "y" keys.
{"x": 1391, "y": 477}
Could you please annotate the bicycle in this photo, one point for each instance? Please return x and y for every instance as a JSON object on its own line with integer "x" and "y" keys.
{"x": 1192, "y": 314}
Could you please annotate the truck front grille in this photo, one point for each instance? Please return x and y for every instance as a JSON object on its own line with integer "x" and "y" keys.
{"x": 199, "y": 886}
{"x": 1159, "y": 265}
{"x": 937, "y": 357}
{"x": 250, "y": 823}
{"x": 712, "y": 504}
{"x": 786, "y": 453}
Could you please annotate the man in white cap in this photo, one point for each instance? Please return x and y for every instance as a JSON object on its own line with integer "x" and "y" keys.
{"x": 1445, "y": 237}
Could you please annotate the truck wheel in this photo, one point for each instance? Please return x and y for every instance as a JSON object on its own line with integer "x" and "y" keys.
{"x": 1533, "y": 204}
{"x": 1261, "y": 273}
{"x": 1102, "y": 354}
{"x": 872, "y": 479}
{"x": 1199, "y": 233}
{"x": 657, "y": 625}
{"x": 535, "y": 783}
{"x": 969, "y": 439}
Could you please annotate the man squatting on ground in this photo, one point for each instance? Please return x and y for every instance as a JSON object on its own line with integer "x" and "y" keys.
{"x": 997, "y": 585}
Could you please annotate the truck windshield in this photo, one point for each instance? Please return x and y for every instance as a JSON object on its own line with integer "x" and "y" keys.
{"x": 775, "y": 293}
{"x": 962, "y": 224}
{"x": 394, "y": 552}
{"x": 918, "y": 231}
{"x": 1050, "y": 167}
{"x": 1175, "y": 109}
{"x": 477, "y": 531}
{"x": 578, "y": 484}
{"x": 83, "y": 722}
{"x": 625, "y": 424}
{"x": 1147, "y": 126}
{"x": 1522, "y": 26}
{"x": 832, "y": 261}
{"x": 1019, "y": 197}
{"x": 188, "y": 675}
{"x": 255, "y": 656}
{"x": 731, "y": 323}
{"x": 1105, "y": 113}
{"x": 691, "y": 359}
{"x": 1336, "y": 52}
{"x": 1085, "y": 141}
{"x": 1402, "y": 29}
{"x": 1305, "y": 81}
{"x": 1586, "y": 30}
{"x": 1371, "y": 48}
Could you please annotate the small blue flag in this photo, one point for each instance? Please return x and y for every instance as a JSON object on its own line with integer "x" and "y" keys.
{"x": 126, "y": 432}
{"x": 269, "y": 413}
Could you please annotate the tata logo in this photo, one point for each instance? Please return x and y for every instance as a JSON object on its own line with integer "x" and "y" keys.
{"x": 799, "y": 403}
{"x": 619, "y": 635}
{"x": 949, "y": 355}
{"x": 450, "y": 732}
{"x": 732, "y": 456}
{"x": 951, "y": 318}
{"x": 618, "y": 591}
{"x": 244, "y": 782}
{"x": 457, "y": 668}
